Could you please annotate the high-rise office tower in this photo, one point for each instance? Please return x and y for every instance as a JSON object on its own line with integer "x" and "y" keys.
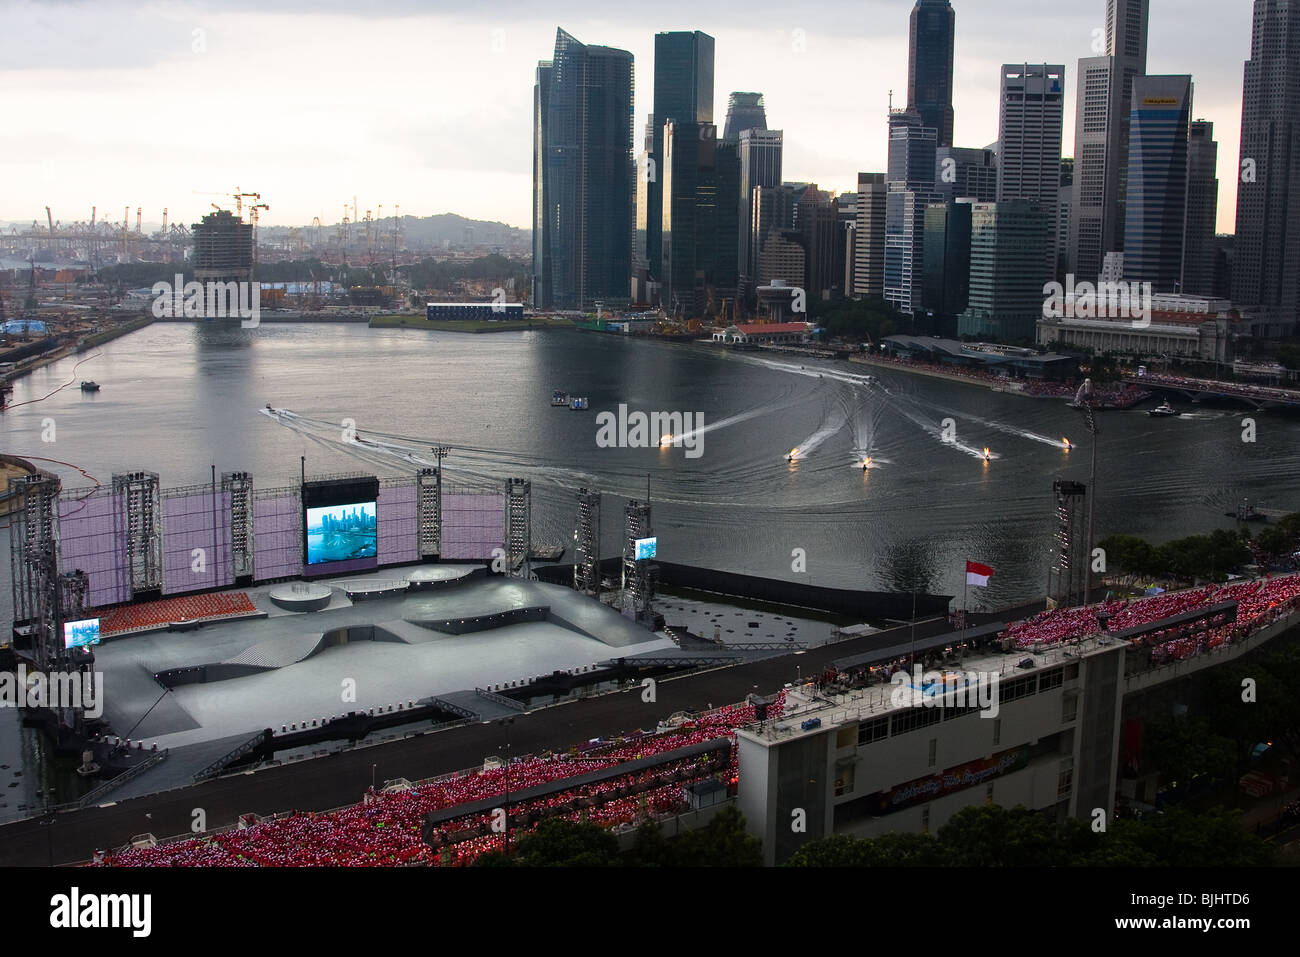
{"x": 816, "y": 217}
{"x": 1005, "y": 297}
{"x": 929, "y": 66}
{"x": 1065, "y": 209}
{"x": 1199, "y": 249}
{"x": 1266, "y": 262}
{"x": 1029, "y": 140}
{"x": 961, "y": 171}
{"x": 700, "y": 219}
{"x": 683, "y": 91}
{"x": 947, "y": 263}
{"x": 745, "y": 111}
{"x": 869, "y": 238}
{"x": 911, "y": 189}
{"x": 1104, "y": 94}
{"x": 584, "y": 197}
{"x": 1156, "y": 211}
{"x": 541, "y": 232}
{"x": 760, "y": 165}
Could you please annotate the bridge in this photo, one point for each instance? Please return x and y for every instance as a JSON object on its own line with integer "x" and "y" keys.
{"x": 1258, "y": 397}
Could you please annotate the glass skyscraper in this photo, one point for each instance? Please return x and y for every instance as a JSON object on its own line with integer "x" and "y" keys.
{"x": 745, "y": 111}
{"x": 1266, "y": 263}
{"x": 929, "y": 66}
{"x": 1156, "y": 208}
{"x": 584, "y": 188}
{"x": 684, "y": 93}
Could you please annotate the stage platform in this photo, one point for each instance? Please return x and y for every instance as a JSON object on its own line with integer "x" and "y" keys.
{"x": 392, "y": 648}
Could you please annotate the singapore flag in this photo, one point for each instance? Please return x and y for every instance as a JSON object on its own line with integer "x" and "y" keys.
{"x": 977, "y": 574}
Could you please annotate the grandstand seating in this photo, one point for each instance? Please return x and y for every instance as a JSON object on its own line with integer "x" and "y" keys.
{"x": 157, "y": 614}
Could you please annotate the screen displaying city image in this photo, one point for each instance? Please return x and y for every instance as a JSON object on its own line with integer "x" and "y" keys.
{"x": 337, "y": 533}
{"x": 81, "y": 634}
{"x": 646, "y": 548}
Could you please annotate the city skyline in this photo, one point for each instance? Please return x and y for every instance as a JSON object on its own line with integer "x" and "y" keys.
{"x": 386, "y": 136}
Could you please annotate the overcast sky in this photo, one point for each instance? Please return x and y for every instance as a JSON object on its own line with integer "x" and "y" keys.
{"x": 429, "y": 104}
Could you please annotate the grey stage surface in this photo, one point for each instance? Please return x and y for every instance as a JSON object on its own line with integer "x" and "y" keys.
{"x": 305, "y": 679}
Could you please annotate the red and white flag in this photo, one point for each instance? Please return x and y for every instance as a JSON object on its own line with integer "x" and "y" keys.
{"x": 977, "y": 574}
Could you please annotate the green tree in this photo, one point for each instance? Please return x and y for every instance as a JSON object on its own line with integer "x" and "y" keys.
{"x": 561, "y": 843}
{"x": 992, "y": 836}
{"x": 1127, "y": 553}
{"x": 1183, "y": 748}
{"x": 723, "y": 842}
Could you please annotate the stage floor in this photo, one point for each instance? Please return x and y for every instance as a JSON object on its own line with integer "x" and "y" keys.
{"x": 305, "y": 681}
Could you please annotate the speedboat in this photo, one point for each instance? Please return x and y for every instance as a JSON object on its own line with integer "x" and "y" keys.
{"x": 559, "y": 398}
{"x": 89, "y": 386}
{"x": 1163, "y": 410}
{"x": 578, "y": 404}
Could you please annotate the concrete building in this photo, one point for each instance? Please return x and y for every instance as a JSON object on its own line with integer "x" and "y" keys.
{"x": 1183, "y": 326}
{"x": 1007, "y": 271}
{"x": 223, "y": 248}
{"x": 745, "y": 111}
{"x": 1029, "y": 140}
{"x": 911, "y": 188}
{"x": 873, "y": 762}
{"x": 783, "y": 259}
{"x": 960, "y": 171}
{"x": 869, "y": 238}
{"x": 1104, "y": 103}
{"x": 760, "y": 165}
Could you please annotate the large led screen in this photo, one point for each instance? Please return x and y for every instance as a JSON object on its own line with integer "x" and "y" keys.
{"x": 340, "y": 533}
{"x": 81, "y": 634}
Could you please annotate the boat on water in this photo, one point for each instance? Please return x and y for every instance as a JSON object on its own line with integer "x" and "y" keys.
{"x": 578, "y": 404}
{"x": 89, "y": 386}
{"x": 559, "y": 398}
{"x": 1163, "y": 410}
{"x": 1246, "y": 512}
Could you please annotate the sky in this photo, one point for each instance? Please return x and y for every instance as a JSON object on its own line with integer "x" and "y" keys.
{"x": 427, "y": 104}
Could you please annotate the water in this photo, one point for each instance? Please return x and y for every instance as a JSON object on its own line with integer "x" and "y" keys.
{"x": 181, "y": 398}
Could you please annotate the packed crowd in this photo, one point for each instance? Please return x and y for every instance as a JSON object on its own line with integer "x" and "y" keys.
{"x": 384, "y": 830}
{"x": 1259, "y": 603}
{"x": 1238, "y": 388}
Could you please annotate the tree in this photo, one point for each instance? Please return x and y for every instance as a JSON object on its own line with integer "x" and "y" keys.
{"x": 1184, "y": 748}
{"x": 1127, "y": 553}
{"x": 723, "y": 842}
{"x": 561, "y": 843}
{"x": 992, "y": 836}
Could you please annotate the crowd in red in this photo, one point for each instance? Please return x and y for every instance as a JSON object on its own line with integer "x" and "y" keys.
{"x": 385, "y": 828}
{"x": 1258, "y": 603}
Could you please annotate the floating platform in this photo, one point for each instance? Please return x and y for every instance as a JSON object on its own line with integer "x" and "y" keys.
{"x": 301, "y": 596}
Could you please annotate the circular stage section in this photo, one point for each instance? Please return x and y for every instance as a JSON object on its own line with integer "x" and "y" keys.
{"x": 359, "y": 589}
{"x": 300, "y": 596}
{"x": 439, "y": 576}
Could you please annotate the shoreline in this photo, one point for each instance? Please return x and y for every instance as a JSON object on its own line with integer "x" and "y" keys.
{"x": 85, "y": 345}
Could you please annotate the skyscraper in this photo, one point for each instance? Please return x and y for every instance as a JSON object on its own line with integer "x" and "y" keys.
{"x": 683, "y": 91}
{"x": 869, "y": 237}
{"x": 961, "y": 171}
{"x": 542, "y": 297}
{"x": 1102, "y": 111}
{"x": 760, "y": 165}
{"x": 1005, "y": 298}
{"x": 1199, "y": 251}
{"x": 1156, "y": 211}
{"x": 701, "y": 188}
{"x": 1029, "y": 138}
{"x": 744, "y": 112}
{"x": 929, "y": 66}
{"x": 911, "y": 189}
{"x": 947, "y": 263}
{"x": 584, "y": 196}
{"x": 1266, "y": 263}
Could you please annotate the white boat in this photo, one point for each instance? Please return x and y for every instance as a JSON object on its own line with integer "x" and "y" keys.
{"x": 1163, "y": 410}
{"x": 559, "y": 398}
{"x": 578, "y": 404}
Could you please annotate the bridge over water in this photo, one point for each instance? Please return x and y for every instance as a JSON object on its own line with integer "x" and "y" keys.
{"x": 1256, "y": 396}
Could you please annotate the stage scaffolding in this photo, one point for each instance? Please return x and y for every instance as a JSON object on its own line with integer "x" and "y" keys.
{"x": 638, "y": 574}
{"x": 1066, "y": 578}
{"x": 239, "y": 486}
{"x": 428, "y": 503}
{"x": 139, "y": 526}
{"x": 586, "y": 538}
{"x": 519, "y": 526}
